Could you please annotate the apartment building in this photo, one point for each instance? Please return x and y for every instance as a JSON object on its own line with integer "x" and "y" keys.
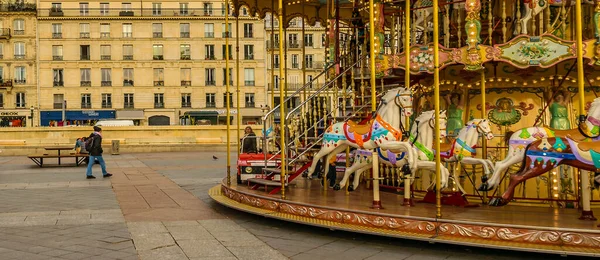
{"x": 18, "y": 67}
{"x": 155, "y": 62}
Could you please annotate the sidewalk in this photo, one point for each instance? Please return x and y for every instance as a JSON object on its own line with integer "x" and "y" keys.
{"x": 55, "y": 213}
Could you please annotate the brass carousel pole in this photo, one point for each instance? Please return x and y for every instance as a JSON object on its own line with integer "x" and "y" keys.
{"x": 376, "y": 199}
{"x": 237, "y": 75}
{"x": 407, "y": 199}
{"x": 436, "y": 97}
{"x": 587, "y": 212}
{"x": 483, "y": 112}
{"x": 281, "y": 102}
{"x": 227, "y": 32}
{"x": 303, "y": 114}
{"x": 272, "y": 57}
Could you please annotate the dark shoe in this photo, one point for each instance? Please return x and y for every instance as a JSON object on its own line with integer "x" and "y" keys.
{"x": 107, "y": 175}
{"x": 90, "y": 177}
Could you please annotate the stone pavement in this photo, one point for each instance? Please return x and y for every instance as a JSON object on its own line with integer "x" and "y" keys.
{"x": 156, "y": 206}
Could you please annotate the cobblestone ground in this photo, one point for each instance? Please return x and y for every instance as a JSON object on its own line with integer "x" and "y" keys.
{"x": 156, "y": 206}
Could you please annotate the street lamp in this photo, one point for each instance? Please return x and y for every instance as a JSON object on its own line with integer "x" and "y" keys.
{"x": 31, "y": 115}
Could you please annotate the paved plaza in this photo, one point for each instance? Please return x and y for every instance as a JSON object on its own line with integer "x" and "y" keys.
{"x": 156, "y": 206}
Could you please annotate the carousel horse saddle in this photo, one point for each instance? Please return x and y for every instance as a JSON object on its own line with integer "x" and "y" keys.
{"x": 444, "y": 147}
{"x": 587, "y": 146}
{"x": 361, "y": 129}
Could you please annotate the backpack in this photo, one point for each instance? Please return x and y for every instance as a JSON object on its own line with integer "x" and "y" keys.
{"x": 89, "y": 143}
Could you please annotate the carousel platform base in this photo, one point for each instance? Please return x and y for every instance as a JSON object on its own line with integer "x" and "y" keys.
{"x": 533, "y": 229}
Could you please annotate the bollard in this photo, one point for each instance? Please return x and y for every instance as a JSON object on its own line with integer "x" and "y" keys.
{"x": 115, "y": 146}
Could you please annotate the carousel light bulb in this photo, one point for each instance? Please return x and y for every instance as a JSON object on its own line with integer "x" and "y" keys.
{"x": 477, "y": 84}
{"x": 469, "y": 86}
{"x": 524, "y": 83}
{"x": 560, "y": 77}
{"x": 507, "y": 80}
{"x": 591, "y": 80}
{"x": 491, "y": 79}
{"x": 534, "y": 81}
{"x": 556, "y": 195}
{"x": 555, "y": 188}
{"x": 461, "y": 84}
{"x": 554, "y": 180}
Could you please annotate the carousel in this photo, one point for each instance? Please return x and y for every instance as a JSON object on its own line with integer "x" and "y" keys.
{"x": 470, "y": 122}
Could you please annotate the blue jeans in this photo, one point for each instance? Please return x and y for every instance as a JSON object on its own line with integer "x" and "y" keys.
{"x": 91, "y": 163}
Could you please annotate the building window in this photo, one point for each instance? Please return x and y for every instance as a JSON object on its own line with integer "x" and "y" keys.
{"x": 1, "y": 75}
{"x": 20, "y": 75}
{"x": 250, "y": 100}
{"x": 244, "y": 11}
{"x": 209, "y": 30}
{"x": 295, "y": 61}
{"x": 20, "y": 100}
{"x": 86, "y": 101}
{"x": 56, "y": 8}
{"x": 106, "y": 100}
{"x": 127, "y": 30}
{"x": 126, "y": 7}
{"x": 84, "y": 52}
{"x": 1, "y": 52}
{"x": 128, "y": 77}
{"x": 59, "y": 100}
{"x": 309, "y": 79}
{"x": 84, "y": 30}
{"x": 159, "y": 100}
{"x": 159, "y": 77}
{"x": 19, "y": 27}
{"x": 230, "y": 77}
{"x": 225, "y": 99}
{"x": 104, "y": 7}
{"x": 19, "y": 50}
{"x": 226, "y": 33}
{"x": 293, "y": 40}
{"x": 185, "y": 52}
{"x": 276, "y": 60}
{"x": 308, "y": 40}
{"x": 105, "y": 52}
{"x": 86, "y": 77}
{"x": 104, "y": 30}
{"x": 248, "y": 30}
{"x": 1, "y": 100}
{"x": 230, "y": 52}
{"x": 58, "y": 78}
{"x": 210, "y": 100}
{"x": 56, "y": 30}
{"x": 223, "y": 8}
{"x": 183, "y": 8}
{"x": 308, "y": 61}
{"x": 208, "y": 9}
{"x": 157, "y": 31}
{"x": 184, "y": 30}
{"x": 106, "y": 77}
{"x": 209, "y": 51}
{"x": 156, "y": 9}
{"x": 127, "y": 52}
{"x": 57, "y": 52}
{"x": 84, "y": 9}
{"x": 128, "y": 100}
{"x": 186, "y": 100}
{"x": 248, "y": 52}
{"x": 210, "y": 77}
{"x": 186, "y": 77}
{"x": 249, "y": 77}
{"x": 157, "y": 50}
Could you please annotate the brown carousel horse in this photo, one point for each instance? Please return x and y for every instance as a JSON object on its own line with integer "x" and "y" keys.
{"x": 545, "y": 154}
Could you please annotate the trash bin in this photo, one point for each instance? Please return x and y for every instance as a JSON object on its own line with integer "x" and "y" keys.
{"x": 115, "y": 146}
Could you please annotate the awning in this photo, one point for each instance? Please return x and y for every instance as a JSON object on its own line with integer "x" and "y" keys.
{"x": 203, "y": 115}
{"x": 46, "y": 116}
{"x": 130, "y": 114}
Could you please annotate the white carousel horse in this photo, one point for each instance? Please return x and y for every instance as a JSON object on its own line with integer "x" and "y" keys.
{"x": 395, "y": 105}
{"x": 520, "y": 139}
{"x": 423, "y": 9}
{"x": 362, "y": 158}
{"x": 533, "y": 7}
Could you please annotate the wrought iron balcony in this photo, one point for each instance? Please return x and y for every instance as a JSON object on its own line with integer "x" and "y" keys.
{"x": 105, "y": 57}
{"x": 57, "y": 105}
{"x": 209, "y": 34}
{"x": 58, "y": 84}
{"x": 19, "y": 56}
{"x": 211, "y": 104}
{"x": 186, "y": 104}
{"x": 127, "y": 83}
{"x": 18, "y": 32}
{"x": 106, "y": 83}
{"x": 250, "y": 104}
{"x": 158, "y": 83}
{"x": 18, "y": 7}
{"x": 84, "y": 57}
{"x": 184, "y": 34}
{"x": 56, "y": 35}
{"x": 57, "y": 57}
{"x": 210, "y": 83}
{"x": 157, "y": 57}
{"x": 84, "y": 35}
{"x": 5, "y": 33}
{"x": 249, "y": 83}
{"x": 159, "y": 105}
{"x": 127, "y": 35}
{"x": 20, "y": 81}
{"x": 106, "y": 104}
{"x": 186, "y": 83}
{"x": 86, "y": 105}
{"x": 104, "y": 35}
{"x": 85, "y": 83}
{"x": 127, "y": 57}
{"x": 128, "y": 105}
{"x": 185, "y": 57}
{"x": 209, "y": 57}
{"x": 157, "y": 35}
{"x": 249, "y": 57}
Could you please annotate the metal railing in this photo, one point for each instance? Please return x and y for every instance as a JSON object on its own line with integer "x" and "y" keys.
{"x": 86, "y": 105}
{"x": 127, "y": 83}
{"x": 5, "y": 33}
{"x": 105, "y": 57}
{"x": 128, "y": 105}
{"x": 185, "y": 57}
{"x": 157, "y": 35}
{"x": 117, "y": 12}
{"x": 159, "y": 105}
{"x": 58, "y": 83}
{"x": 157, "y": 57}
{"x": 56, "y": 35}
{"x": 57, "y": 57}
{"x": 85, "y": 83}
{"x": 106, "y": 83}
{"x": 84, "y": 57}
{"x": 186, "y": 104}
{"x": 209, "y": 34}
{"x": 106, "y": 105}
{"x": 127, "y": 57}
{"x": 186, "y": 83}
{"x": 84, "y": 35}
{"x": 184, "y": 34}
{"x": 58, "y": 105}
{"x": 18, "y": 7}
{"x": 211, "y": 104}
{"x": 158, "y": 83}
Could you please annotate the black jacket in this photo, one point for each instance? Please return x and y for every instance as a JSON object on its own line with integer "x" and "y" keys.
{"x": 97, "y": 145}
{"x": 249, "y": 145}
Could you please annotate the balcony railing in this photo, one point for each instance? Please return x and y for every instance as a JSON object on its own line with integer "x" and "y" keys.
{"x": 58, "y": 83}
{"x": 249, "y": 83}
{"x": 248, "y": 35}
{"x": 20, "y": 81}
{"x": 295, "y": 65}
{"x": 106, "y": 83}
{"x": 211, "y": 104}
{"x": 6, "y": 82}
{"x": 159, "y": 105}
{"x": 157, "y": 57}
{"x": 86, "y": 105}
{"x": 127, "y": 35}
{"x": 184, "y": 35}
{"x": 124, "y": 13}
{"x": 209, "y": 34}
{"x": 250, "y": 104}
{"x": 249, "y": 57}
{"x": 84, "y": 57}
{"x": 230, "y": 82}
{"x": 186, "y": 104}
{"x": 18, "y": 7}
{"x": 20, "y": 105}
{"x": 276, "y": 47}
{"x": 158, "y": 83}
{"x": 19, "y": 56}
{"x": 186, "y": 83}
{"x": 127, "y": 57}
{"x": 210, "y": 83}
{"x": 105, "y": 57}
{"x": 5, "y": 33}
{"x": 224, "y": 35}
{"x": 157, "y": 35}
{"x": 209, "y": 57}
{"x": 106, "y": 105}
{"x": 128, "y": 105}
{"x": 84, "y": 35}
{"x": 57, "y": 57}
{"x": 58, "y": 105}
{"x": 18, "y": 32}
{"x": 293, "y": 45}
{"x": 56, "y": 35}
{"x": 185, "y": 57}
{"x": 127, "y": 83}
{"x": 104, "y": 35}
{"x": 288, "y": 86}
{"x": 85, "y": 83}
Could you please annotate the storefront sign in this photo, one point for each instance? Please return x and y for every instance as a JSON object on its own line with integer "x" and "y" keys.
{"x": 15, "y": 113}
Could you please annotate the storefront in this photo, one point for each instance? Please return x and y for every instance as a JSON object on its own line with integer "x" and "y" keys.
{"x": 160, "y": 116}
{"x": 136, "y": 115}
{"x": 74, "y": 117}
{"x": 14, "y": 118}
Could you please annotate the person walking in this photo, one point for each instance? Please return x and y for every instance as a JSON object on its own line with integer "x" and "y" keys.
{"x": 95, "y": 150}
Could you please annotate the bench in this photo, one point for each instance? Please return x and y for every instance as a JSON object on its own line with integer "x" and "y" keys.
{"x": 39, "y": 158}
